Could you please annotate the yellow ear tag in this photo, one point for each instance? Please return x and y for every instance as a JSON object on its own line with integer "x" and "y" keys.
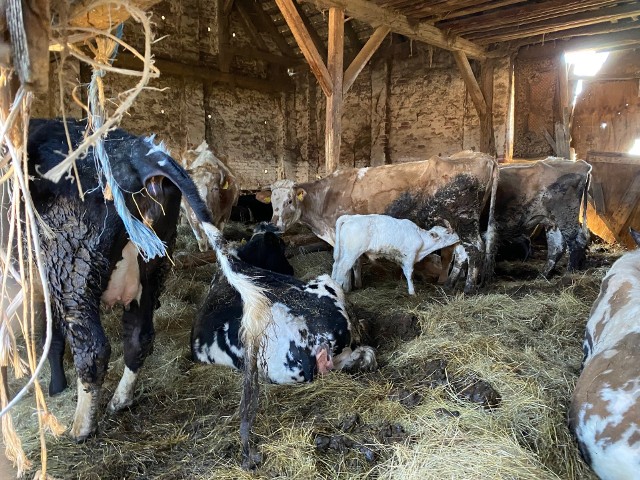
{"x": 300, "y": 196}
{"x": 267, "y": 199}
{"x": 226, "y": 185}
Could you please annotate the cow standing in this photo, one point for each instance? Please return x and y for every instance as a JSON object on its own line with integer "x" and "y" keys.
{"x": 454, "y": 189}
{"x": 547, "y": 193}
{"x": 216, "y": 185}
{"x": 310, "y": 333}
{"x": 399, "y": 240}
{"x": 90, "y": 257}
{"x": 605, "y": 409}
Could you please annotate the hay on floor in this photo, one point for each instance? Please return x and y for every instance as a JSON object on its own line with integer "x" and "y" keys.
{"x": 419, "y": 416}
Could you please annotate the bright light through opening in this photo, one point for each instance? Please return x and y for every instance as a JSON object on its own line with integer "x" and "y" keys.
{"x": 635, "y": 150}
{"x": 586, "y": 63}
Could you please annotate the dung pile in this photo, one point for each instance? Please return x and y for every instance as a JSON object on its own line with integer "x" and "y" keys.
{"x": 468, "y": 387}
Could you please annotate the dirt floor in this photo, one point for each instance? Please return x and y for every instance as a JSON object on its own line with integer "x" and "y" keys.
{"x": 472, "y": 386}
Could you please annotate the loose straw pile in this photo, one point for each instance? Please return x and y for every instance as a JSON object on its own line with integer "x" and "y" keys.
{"x": 23, "y": 279}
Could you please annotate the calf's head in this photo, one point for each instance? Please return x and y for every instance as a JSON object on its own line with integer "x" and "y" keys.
{"x": 286, "y": 200}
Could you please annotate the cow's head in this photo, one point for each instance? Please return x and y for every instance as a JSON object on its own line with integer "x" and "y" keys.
{"x": 286, "y": 200}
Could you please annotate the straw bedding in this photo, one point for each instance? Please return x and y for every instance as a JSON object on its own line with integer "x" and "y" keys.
{"x": 468, "y": 387}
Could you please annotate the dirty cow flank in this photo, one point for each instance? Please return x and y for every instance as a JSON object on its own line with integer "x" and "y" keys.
{"x": 605, "y": 409}
{"x": 399, "y": 240}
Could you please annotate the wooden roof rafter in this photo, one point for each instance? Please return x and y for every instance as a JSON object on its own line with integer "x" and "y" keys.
{"x": 376, "y": 16}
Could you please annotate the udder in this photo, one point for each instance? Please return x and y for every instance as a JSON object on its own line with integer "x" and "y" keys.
{"x": 124, "y": 284}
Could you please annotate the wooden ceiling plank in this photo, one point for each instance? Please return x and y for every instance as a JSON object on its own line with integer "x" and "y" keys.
{"x": 470, "y": 81}
{"x": 363, "y": 56}
{"x": 614, "y": 40}
{"x": 520, "y": 14}
{"x": 271, "y": 29}
{"x": 376, "y": 16}
{"x": 82, "y": 13}
{"x": 317, "y": 39}
{"x": 306, "y": 44}
{"x": 564, "y": 22}
{"x": 484, "y": 7}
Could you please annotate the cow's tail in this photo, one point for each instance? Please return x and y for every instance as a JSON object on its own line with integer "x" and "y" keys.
{"x": 491, "y": 237}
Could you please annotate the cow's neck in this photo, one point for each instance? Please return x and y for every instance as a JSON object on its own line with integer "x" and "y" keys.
{"x": 315, "y": 213}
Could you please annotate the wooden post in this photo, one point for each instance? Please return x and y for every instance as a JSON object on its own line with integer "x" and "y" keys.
{"x": 563, "y": 126}
{"x": 335, "y": 56}
{"x": 487, "y": 134}
{"x": 224, "y": 46}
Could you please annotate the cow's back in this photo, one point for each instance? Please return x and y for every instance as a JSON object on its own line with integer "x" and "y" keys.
{"x": 605, "y": 408}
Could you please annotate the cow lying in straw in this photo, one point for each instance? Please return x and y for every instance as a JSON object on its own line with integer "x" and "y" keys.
{"x": 605, "y": 408}
{"x": 310, "y": 333}
{"x": 399, "y": 240}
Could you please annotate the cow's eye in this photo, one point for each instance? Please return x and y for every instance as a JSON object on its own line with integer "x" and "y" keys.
{"x": 290, "y": 201}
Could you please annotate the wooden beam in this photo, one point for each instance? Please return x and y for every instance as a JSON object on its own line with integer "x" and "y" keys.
{"x": 248, "y": 26}
{"x": 206, "y": 73}
{"x": 476, "y": 8}
{"x": 470, "y": 81}
{"x": 83, "y": 14}
{"x": 309, "y": 50}
{"x": 363, "y": 56}
{"x": 487, "y": 134}
{"x": 333, "y": 131}
{"x": 606, "y": 77}
{"x": 224, "y": 41}
{"x": 560, "y": 23}
{"x": 374, "y": 15}
{"x": 272, "y": 30}
{"x": 605, "y": 41}
{"x": 227, "y": 5}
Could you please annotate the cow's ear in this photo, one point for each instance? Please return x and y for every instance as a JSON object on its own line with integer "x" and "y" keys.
{"x": 635, "y": 235}
{"x": 301, "y": 193}
{"x": 264, "y": 196}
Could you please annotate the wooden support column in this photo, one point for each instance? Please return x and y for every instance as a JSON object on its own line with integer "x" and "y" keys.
{"x": 565, "y": 112}
{"x": 487, "y": 134}
{"x": 335, "y": 57}
{"x": 224, "y": 45}
{"x": 487, "y": 141}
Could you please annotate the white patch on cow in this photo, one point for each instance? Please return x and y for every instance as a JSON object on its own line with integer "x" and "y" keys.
{"x": 123, "y": 396}
{"x": 362, "y": 172}
{"x": 162, "y": 163}
{"x": 160, "y": 147}
{"x": 84, "y": 419}
{"x": 124, "y": 284}
{"x": 621, "y": 400}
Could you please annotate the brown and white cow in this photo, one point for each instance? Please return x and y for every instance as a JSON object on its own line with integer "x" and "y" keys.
{"x": 605, "y": 408}
{"x": 547, "y": 193}
{"x": 216, "y": 185}
{"x": 454, "y": 189}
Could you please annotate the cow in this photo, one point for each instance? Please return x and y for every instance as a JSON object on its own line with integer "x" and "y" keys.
{"x": 399, "y": 240}
{"x": 310, "y": 333}
{"x": 604, "y": 413}
{"x": 216, "y": 185}
{"x": 89, "y": 257}
{"x": 266, "y": 250}
{"x": 549, "y": 193}
{"x": 454, "y": 189}
{"x": 250, "y": 210}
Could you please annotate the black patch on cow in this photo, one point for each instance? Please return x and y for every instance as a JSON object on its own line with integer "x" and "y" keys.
{"x": 266, "y": 250}
{"x": 330, "y": 290}
{"x": 300, "y": 358}
{"x": 587, "y": 348}
{"x": 312, "y": 286}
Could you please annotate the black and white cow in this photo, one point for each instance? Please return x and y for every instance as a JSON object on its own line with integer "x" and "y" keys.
{"x": 89, "y": 257}
{"x": 310, "y": 333}
{"x": 266, "y": 250}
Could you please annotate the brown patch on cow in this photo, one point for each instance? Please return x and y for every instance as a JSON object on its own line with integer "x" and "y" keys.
{"x": 612, "y": 373}
{"x": 620, "y": 299}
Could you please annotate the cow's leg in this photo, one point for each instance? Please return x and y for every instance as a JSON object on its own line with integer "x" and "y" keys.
{"x": 91, "y": 351}
{"x": 362, "y": 358}
{"x": 138, "y": 331}
{"x": 357, "y": 273}
{"x": 249, "y": 408}
{"x": 58, "y": 381}
{"x": 555, "y": 249}
{"x": 341, "y": 272}
{"x": 407, "y": 269}
{"x": 474, "y": 249}
{"x": 446, "y": 257}
{"x": 460, "y": 259}
{"x": 576, "y": 243}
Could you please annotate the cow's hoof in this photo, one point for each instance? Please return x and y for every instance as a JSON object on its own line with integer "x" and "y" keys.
{"x": 57, "y": 387}
{"x": 117, "y": 403}
{"x": 84, "y": 420}
{"x": 253, "y": 460}
{"x": 123, "y": 396}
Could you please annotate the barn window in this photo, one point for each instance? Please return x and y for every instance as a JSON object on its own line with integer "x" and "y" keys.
{"x": 635, "y": 150}
{"x": 586, "y": 63}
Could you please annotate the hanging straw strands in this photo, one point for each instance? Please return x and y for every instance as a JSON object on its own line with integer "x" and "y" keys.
{"x": 24, "y": 279}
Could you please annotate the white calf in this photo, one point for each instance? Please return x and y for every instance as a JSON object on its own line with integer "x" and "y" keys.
{"x": 399, "y": 240}
{"x": 605, "y": 409}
